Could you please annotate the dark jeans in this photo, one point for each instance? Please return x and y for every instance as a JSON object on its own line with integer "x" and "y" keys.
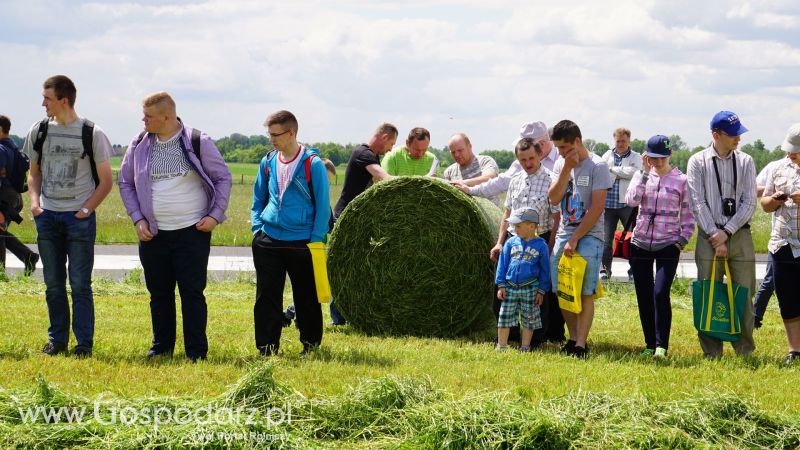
{"x": 612, "y": 218}
{"x": 655, "y": 309}
{"x": 786, "y": 271}
{"x": 177, "y": 257}
{"x": 273, "y": 259}
{"x": 61, "y": 237}
{"x": 552, "y": 319}
{"x": 336, "y": 317}
{"x": 8, "y": 240}
{"x": 765, "y": 291}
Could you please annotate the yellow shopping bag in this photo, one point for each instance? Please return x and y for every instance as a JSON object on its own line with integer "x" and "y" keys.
{"x": 319, "y": 259}
{"x": 570, "y": 282}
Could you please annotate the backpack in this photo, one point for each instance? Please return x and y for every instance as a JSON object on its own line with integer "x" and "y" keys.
{"x": 307, "y": 167}
{"x": 87, "y": 136}
{"x": 18, "y": 173}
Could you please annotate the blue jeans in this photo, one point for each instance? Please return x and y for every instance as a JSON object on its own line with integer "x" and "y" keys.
{"x": 591, "y": 249}
{"x": 62, "y": 237}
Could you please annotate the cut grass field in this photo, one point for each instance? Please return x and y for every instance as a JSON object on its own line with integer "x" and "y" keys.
{"x": 379, "y": 392}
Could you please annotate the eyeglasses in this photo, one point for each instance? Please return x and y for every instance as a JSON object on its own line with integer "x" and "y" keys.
{"x": 274, "y": 135}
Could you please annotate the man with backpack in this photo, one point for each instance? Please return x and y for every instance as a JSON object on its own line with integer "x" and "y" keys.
{"x": 291, "y": 208}
{"x": 69, "y": 177}
{"x": 13, "y": 172}
{"x": 175, "y": 187}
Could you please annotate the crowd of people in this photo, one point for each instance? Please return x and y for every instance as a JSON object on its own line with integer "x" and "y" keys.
{"x": 561, "y": 200}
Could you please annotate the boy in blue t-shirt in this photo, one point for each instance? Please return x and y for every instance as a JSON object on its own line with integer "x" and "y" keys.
{"x": 523, "y": 277}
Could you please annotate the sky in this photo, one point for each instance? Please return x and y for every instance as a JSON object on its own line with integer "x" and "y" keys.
{"x": 475, "y": 66}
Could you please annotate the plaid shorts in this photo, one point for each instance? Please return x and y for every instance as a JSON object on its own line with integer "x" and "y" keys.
{"x": 520, "y": 301}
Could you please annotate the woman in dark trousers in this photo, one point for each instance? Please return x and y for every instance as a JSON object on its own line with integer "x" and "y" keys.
{"x": 663, "y": 228}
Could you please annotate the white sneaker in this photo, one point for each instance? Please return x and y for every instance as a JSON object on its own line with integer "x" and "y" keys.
{"x": 661, "y": 352}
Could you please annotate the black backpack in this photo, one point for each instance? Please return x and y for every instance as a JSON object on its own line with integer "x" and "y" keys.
{"x": 195, "y": 142}
{"x": 18, "y": 173}
{"x": 87, "y": 136}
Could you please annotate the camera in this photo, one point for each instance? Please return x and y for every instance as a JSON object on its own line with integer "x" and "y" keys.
{"x": 728, "y": 207}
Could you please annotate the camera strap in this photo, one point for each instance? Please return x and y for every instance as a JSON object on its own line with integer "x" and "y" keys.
{"x": 716, "y": 172}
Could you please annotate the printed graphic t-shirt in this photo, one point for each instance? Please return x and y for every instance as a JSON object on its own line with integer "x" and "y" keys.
{"x": 66, "y": 177}
{"x": 179, "y": 199}
{"x": 589, "y": 175}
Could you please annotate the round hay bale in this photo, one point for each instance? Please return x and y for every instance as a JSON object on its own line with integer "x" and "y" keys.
{"x": 411, "y": 257}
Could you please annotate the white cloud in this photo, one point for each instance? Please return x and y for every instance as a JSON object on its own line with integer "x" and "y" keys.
{"x": 479, "y": 67}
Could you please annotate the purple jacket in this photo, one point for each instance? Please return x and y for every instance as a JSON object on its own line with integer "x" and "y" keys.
{"x": 135, "y": 185}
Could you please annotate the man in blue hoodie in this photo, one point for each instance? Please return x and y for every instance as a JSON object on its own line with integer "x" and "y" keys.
{"x": 291, "y": 208}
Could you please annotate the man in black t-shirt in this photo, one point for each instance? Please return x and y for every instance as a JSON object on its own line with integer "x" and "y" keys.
{"x": 364, "y": 165}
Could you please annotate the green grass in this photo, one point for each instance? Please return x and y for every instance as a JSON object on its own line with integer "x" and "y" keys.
{"x": 399, "y": 391}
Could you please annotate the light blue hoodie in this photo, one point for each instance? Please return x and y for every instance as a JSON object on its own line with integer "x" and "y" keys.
{"x": 293, "y": 217}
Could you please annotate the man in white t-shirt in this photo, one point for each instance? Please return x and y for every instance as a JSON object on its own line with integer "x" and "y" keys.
{"x": 175, "y": 187}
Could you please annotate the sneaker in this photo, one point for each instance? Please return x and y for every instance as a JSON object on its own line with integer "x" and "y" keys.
{"x": 501, "y": 348}
{"x": 30, "y": 264}
{"x": 660, "y": 353}
{"x": 568, "y": 348}
{"x": 580, "y": 352}
{"x": 155, "y": 353}
{"x": 268, "y": 350}
{"x": 792, "y": 358}
{"x": 288, "y": 315}
{"x": 604, "y": 275}
{"x": 524, "y": 349}
{"x": 757, "y": 322}
{"x": 54, "y": 348}
{"x": 82, "y": 351}
{"x": 648, "y": 352}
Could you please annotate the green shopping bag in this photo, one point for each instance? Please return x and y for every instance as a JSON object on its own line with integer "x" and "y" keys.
{"x": 719, "y": 307}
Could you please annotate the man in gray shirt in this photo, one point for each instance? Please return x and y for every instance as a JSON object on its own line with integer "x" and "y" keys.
{"x": 582, "y": 182}
{"x": 68, "y": 180}
{"x": 468, "y": 168}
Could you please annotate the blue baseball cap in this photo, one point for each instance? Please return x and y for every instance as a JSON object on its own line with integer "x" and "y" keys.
{"x": 524, "y": 215}
{"x": 727, "y": 122}
{"x": 658, "y": 147}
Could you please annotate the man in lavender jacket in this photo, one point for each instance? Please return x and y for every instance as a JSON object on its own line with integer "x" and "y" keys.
{"x": 175, "y": 195}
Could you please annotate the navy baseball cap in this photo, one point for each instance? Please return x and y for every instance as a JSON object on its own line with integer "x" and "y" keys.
{"x": 727, "y": 122}
{"x": 524, "y": 215}
{"x": 658, "y": 147}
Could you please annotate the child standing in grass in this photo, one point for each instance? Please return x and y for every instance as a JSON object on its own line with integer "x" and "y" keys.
{"x": 523, "y": 277}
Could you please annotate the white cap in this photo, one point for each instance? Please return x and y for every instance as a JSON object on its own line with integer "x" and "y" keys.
{"x": 534, "y": 130}
{"x": 792, "y": 142}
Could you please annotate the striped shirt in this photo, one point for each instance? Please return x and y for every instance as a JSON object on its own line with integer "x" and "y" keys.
{"x": 786, "y": 223}
{"x": 665, "y": 217}
{"x": 530, "y": 191}
{"x": 612, "y": 199}
{"x": 706, "y": 200}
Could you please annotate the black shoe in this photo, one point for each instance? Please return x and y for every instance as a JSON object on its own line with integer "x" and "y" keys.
{"x": 792, "y": 358}
{"x": 568, "y": 348}
{"x": 288, "y": 315}
{"x": 54, "y": 348}
{"x": 155, "y": 353}
{"x": 30, "y": 263}
{"x": 580, "y": 352}
{"x": 308, "y": 348}
{"x": 268, "y": 350}
{"x": 82, "y": 352}
{"x": 757, "y": 322}
{"x": 195, "y": 358}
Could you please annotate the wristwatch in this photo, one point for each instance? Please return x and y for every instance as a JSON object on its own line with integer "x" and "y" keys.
{"x": 85, "y": 210}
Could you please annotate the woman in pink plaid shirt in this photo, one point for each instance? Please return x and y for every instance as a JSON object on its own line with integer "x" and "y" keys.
{"x": 663, "y": 228}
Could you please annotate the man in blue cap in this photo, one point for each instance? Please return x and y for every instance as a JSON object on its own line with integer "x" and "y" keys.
{"x": 722, "y": 186}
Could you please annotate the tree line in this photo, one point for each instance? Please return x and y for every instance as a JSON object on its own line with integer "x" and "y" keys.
{"x": 250, "y": 149}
